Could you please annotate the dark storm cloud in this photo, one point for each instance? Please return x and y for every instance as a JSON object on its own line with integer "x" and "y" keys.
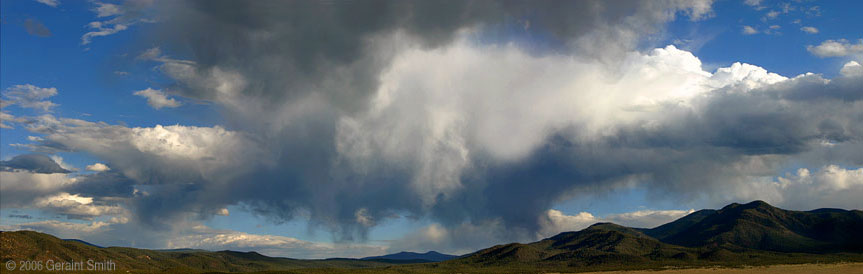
{"x": 287, "y": 72}
{"x": 102, "y": 184}
{"x": 20, "y": 216}
{"x": 289, "y": 49}
{"x": 294, "y": 80}
{"x": 36, "y": 163}
{"x": 318, "y": 129}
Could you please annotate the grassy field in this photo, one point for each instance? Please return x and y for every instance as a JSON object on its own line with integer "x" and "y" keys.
{"x": 842, "y": 268}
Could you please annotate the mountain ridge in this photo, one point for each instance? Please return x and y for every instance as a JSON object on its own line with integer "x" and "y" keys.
{"x": 430, "y": 256}
{"x": 758, "y": 225}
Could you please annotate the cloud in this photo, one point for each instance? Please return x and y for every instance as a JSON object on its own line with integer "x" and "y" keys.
{"x": 37, "y": 181}
{"x": 159, "y": 156}
{"x": 50, "y": 3}
{"x": 755, "y": 4}
{"x": 829, "y": 186}
{"x": 20, "y": 216}
{"x": 20, "y": 189}
{"x": 30, "y": 96}
{"x": 789, "y": 115}
{"x": 748, "y": 30}
{"x": 107, "y": 9}
{"x": 6, "y": 117}
{"x": 344, "y": 50}
{"x": 36, "y": 28}
{"x": 76, "y": 206}
{"x": 647, "y": 218}
{"x": 852, "y": 69}
{"x": 100, "y": 29}
{"x": 117, "y": 18}
{"x": 554, "y": 222}
{"x": 406, "y": 113}
{"x": 157, "y": 99}
{"x": 36, "y": 163}
{"x": 810, "y": 30}
{"x": 272, "y": 245}
{"x": 773, "y": 29}
{"x": 60, "y": 228}
{"x": 836, "y": 48}
{"x": 98, "y": 167}
{"x": 57, "y": 159}
{"x": 459, "y": 239}
{"x": 106, "y": 185}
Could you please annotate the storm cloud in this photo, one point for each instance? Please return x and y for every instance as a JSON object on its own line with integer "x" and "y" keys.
{"x": 37, "y": 163}
{"x": 346, "y": 114}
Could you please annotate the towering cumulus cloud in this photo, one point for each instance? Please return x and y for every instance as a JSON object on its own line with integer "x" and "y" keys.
{"x": 478, "y": 115}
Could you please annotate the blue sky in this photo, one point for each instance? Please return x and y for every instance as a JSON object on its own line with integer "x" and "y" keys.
{"x": 368, "y": 137}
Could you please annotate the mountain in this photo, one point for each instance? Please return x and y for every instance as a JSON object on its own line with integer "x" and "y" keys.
{"x": 599, "y": 243}
{"x": 81, "y": 241}
{"x": 758, "y": 225}
{"x": 753, "y": 233}
{"x": 431, "y": 256}
{"x": 35, "y": 246}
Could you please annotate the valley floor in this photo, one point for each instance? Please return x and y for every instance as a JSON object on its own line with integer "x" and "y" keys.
{"x": 842, "y": 268}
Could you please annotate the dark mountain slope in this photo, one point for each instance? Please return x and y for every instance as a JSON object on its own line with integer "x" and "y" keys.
{"x": 679, "y": 225}
{"x": 753, "y": 233}
{"x": 758, "y": 225}
{"x": 599, "y": 243}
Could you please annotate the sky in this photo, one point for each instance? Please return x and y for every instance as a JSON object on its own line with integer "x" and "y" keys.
{"x": 352, "y": 129}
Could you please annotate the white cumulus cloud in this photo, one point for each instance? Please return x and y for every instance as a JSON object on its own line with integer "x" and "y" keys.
{"x": 157, "y": 98}
{"x": 98, "y": 167}
{"x": 852, "y": 69}
{"x": 76, "y": 205}
{"x": 836, "y": 48}
{"x": 555, "y": 221}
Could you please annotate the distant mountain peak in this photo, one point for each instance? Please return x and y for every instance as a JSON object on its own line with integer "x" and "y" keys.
{"x": 604, "y": 225}
{"x": 753, "y": 204}
{"x": 429, "y": 256}
{"x": 759, "y": 204}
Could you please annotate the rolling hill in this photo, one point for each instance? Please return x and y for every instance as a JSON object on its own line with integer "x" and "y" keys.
{"x": 35, "y": 246}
